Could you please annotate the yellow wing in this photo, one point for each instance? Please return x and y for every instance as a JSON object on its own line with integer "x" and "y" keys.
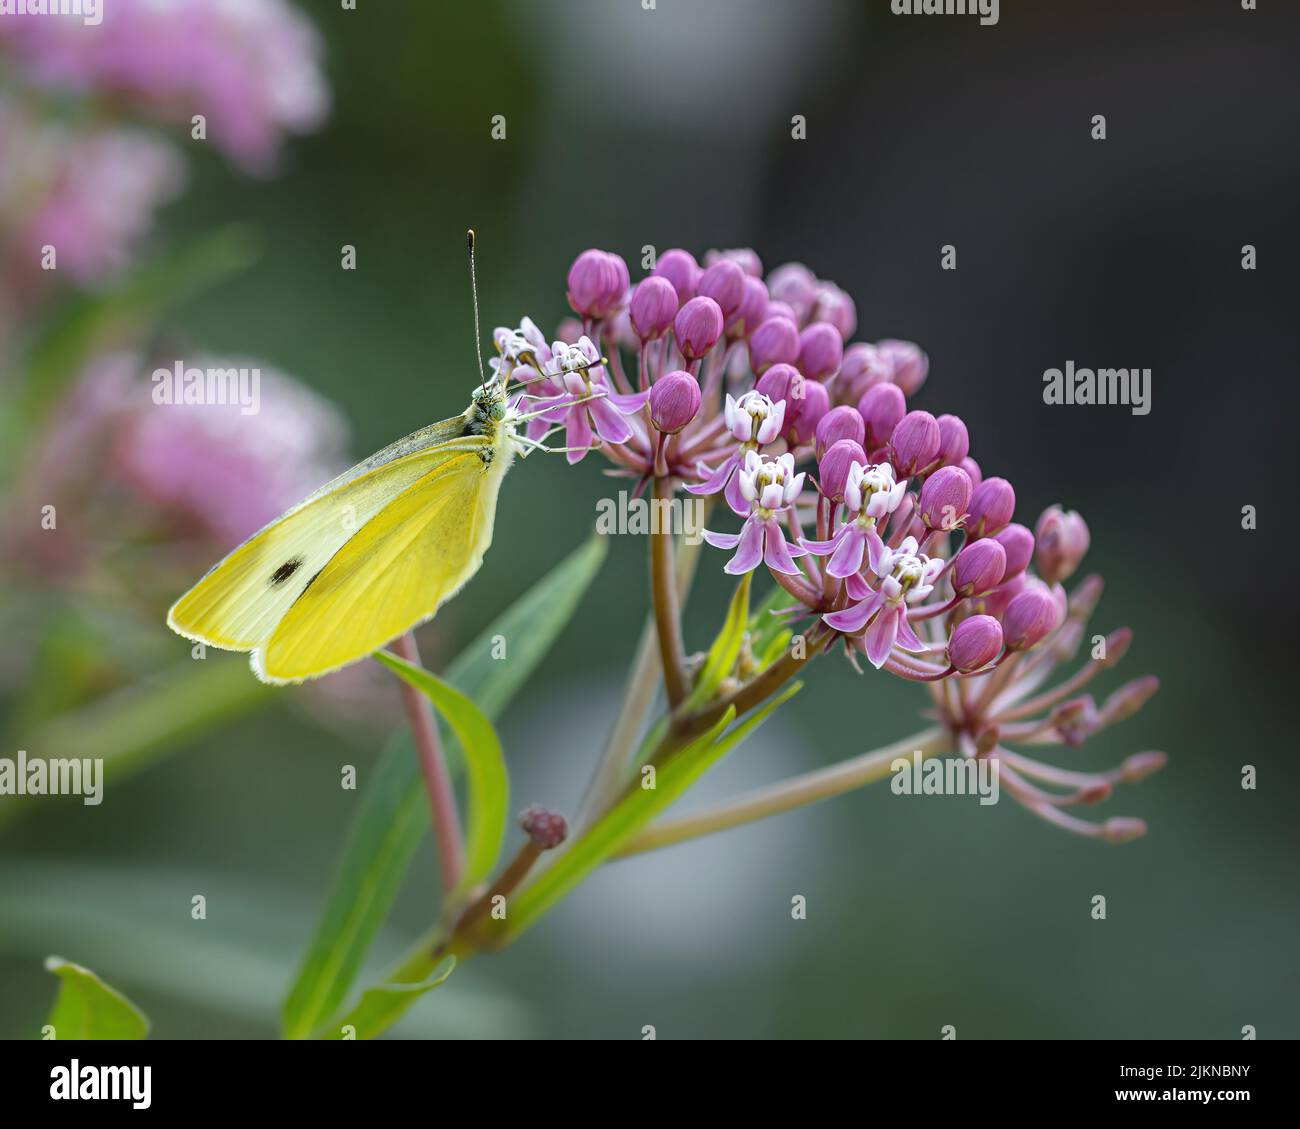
{"x": 238, "y": 604}
{"x": 400, "y": 567}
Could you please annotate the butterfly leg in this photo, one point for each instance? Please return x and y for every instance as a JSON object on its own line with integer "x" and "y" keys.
{"x": 532, "y": 445}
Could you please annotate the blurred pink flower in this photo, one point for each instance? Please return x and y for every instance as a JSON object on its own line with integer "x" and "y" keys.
{"x": 199, "y": 478}
{"x": 90, "y": 196}
{"x": 233, "y": 472}
{"x": 251, "y": 67}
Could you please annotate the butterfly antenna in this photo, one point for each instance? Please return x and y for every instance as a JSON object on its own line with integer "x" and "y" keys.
{"x": 473, "y": 289}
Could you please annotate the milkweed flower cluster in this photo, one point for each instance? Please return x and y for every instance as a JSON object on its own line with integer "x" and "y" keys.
{"x": 250, "y": 67}
{"x": 89, "y": 195}
{"x": 888, "y": 538}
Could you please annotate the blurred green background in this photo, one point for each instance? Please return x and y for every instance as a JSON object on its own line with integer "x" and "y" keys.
{"x": 670, "y": 127}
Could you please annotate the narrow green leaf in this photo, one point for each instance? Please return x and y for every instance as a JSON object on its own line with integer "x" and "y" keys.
{"x": 380, "y": 1007}
{"x": 601, "y": 842}
{"x": 485, "y": 767}
{"x": 87, "y": 1008}
{"x": 763, "y": 625}
{"x": 721, "y": 659}
{"x": 608, "y": 834}
{"x": 394, "y": 813}
{"x": 236, "y": 966}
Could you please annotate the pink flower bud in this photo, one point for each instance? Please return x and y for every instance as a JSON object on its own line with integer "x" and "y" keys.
{"x": 674, "y": 401}
{"x": 978, "y": 568}
{"x": 724, "y": 282}
{"x": 821, "y": 349}
{"x": 995, "y": 602}
{"x": 653, "y": 307}
{"x": 809, "y": 412}
{"x": 1019, "y": 544}
{"x": 1062, "y": 542}
{"x": 545, "y": 828}
{"x": 783, "y": 382}
{"x": 944, "y": 498}
{"x": 881, "y": 408}
{"x": 680, "y": 268}
{"x": 1117, "y": 643}
{"x": 834, "y": 306}
{"x": 774, "y": 342}
{"x": 753, "y": 309}
{"x": 833, "y": 470}
{"x": 1030, "y": 617}
{"x": 910, "y": 364}
{"x": 991, "y": 507}
{"x": 954, "y": 441}
{"x": 1141, "y": 765}
{"x": 975, "y": 643}
{"x": 1076, "y": 720}
{"x": 862, "y": 368}
{"x": 1128, "y": 699}
{"x": 782, "y": 310}
{"x": 840, "y": 423}
{"x": 795, "y": 285}
{"x": 598, "y": 282}
{"x": 1123, "y": 829}
{"x": 747, "y": 257}
{"x": 914, "y": 444}
{"x": 971, "y": 467}
{"x": 698, "y": 327}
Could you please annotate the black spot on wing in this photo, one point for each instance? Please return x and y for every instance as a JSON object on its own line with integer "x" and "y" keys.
{"x": 286, "y": 570}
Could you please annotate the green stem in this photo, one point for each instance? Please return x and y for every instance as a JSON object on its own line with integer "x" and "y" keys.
{"x": 755, "y": 691}
{"x": 638, "y": 696}
{"x": 668, "y": 623}
{"x": 796, "y": 792}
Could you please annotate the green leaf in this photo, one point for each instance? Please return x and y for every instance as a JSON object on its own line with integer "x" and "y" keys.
{"x": 485, "y": 767}
{"x": 603, "y": 840}
{"x": 722, "y": 656}
{"x": 235, "y": 967}
{"x": 380, "y": 1006}
{"x": 394, "y": 812}
{"x": 763, "y": 625}
{"x": 625, "y": 819}
{"x": 87, "y": 1008}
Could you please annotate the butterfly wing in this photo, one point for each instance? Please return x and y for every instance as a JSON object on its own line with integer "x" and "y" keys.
{"x": 238, "y": 603}
{"x": 413, "y": 555}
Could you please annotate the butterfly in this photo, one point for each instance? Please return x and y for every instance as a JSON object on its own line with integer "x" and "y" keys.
{"x": 369, "y": 555}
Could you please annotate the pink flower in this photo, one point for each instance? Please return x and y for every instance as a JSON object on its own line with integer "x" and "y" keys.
{"x": 250, "y": 67}
{"x": 755, "y": 420}
{"x": 581, "y": 400}
{"x": 769, "y": 486}
{"x": 91, "y": 196}
{"x": 870, "y": 495}
{"x": 907, "y": 577}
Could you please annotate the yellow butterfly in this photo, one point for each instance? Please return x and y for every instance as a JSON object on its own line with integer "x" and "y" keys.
{"x": 369, "y": 555}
